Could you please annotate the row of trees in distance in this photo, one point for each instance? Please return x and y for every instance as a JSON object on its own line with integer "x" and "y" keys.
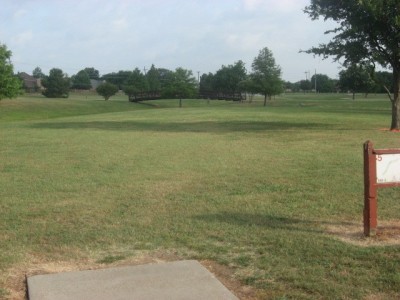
{"x": 367, "y": 34}
{"x": 227, "y": 83}
{"x": 354, "y": 79}
{"x": 231, "y": 82}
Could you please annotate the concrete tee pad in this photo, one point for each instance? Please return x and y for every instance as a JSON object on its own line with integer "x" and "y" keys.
{"x": 176, "y": 280}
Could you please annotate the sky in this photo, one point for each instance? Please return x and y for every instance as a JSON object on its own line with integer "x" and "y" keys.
{"x": 199, "y": 35}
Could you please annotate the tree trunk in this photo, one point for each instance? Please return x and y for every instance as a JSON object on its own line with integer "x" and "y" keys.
{"x": 265, "y": 99}
{"x": 396, "y": 101}
{"x": 395, "y": 115}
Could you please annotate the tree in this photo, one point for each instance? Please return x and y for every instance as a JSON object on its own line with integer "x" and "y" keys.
{"x": 355, "y": 79}
{"x": 383, "y": 82}
{"x": 305, "y": 85}
{"x": 164, "y": 75}
{"x": 92, "y": 73}
{"x": 107, "y": 90}
{"x": 10, "y": 85}
{"x": 81, "y": 81}
{"x": 56, "y": 84}
{"x": 206, "y": 85}
{"x": 292, "y": 86}
{"x": 266, "y": 74}
{"x": 226, "y": 83}
{"x": 37, "y": 73}
{"x": 180, "y": 84}
{"x": 324, "y": 83}
{"x": 226, "y": 80}
{"x": 296, "y": 87}
{"x": 153, "y": 80}
{"x": 248, "y": 86}
{"x": 368, "y": 33}
{"x": 135, "y": 85}
{"x": 119, "y": 79}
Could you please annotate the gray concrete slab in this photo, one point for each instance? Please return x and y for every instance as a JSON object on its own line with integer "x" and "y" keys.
{"x": 176, "y": 280}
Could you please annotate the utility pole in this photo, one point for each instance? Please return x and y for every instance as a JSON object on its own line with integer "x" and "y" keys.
{"x": 198, "y": 76}
{"x": 315, "y": 78}
{"x": 308, "y": 74}
{"x": 144, "y": 69}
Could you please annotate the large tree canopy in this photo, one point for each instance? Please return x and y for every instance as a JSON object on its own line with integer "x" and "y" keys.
{"x": 119, "y": 79}
{"x": 107, "y": 90}
{"x": 226, "y": 83}
{"x": 37, "y": 73}
{"x": 135, "y": 85}
{"x": 324, "y": 84}
{"x": 368, "y": 32}
{"x": 10, "y": 85}
{"x": 180, "y": 84}
{"x": 92, "y": 73}
{"x": 56, "y": 84}
{"x": 81, "y": 81}
{"x": 153, "y": 80}
{"x": 227, "y": 78}
{"x": 356, "y": 79}
{"x": 266, "y": 74}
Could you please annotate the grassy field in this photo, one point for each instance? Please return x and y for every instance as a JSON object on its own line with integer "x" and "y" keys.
{"x": 268, "y": 192}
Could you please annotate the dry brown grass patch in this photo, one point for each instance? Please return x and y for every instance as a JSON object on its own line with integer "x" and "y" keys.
{"x": 388, "y": 233}
{"x": 15, "y": 278}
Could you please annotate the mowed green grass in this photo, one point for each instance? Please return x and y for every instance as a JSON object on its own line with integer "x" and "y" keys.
{"x": 248, "y": 186}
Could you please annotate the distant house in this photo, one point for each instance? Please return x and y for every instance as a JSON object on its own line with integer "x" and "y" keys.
{"x": 30, "y": 83}
{"x": 95, "y": 83}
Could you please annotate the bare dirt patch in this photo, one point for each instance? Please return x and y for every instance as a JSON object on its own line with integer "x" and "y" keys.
{"x": 388, "y": 233}
{"x": 391, "y": 130}
{"x": 15, "y": 279}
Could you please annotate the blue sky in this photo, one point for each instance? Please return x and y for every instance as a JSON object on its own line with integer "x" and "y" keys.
{"x": 199, "y": 35}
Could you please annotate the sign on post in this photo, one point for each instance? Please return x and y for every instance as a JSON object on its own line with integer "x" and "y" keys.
{"x": 388, "y": 168}
{"x": 381, "y": 169}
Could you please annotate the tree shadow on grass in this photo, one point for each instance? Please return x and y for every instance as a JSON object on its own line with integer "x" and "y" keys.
{"x": 267, "y": 221}
{"x": 203, "y": 126}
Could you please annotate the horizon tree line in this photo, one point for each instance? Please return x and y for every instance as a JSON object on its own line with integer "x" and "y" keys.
{"x": 231, "y": 82}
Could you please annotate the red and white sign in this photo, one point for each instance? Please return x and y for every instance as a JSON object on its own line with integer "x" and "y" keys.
{"x": 381, "y": 170}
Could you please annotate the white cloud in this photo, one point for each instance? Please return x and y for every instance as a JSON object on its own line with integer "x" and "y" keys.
{"x": 288, "y": 6}
{"x": 124, "y": 34}
{"x": 23, "y": 38}
{"x": 281, "y": 6}
{"x": 251, "y": 4}
{"x": 245, "y": 43}
{"x": 120, "y": 24}
{"x": 20, "y": 13}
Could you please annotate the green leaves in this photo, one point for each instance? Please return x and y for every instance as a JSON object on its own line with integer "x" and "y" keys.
{"x": 266, "y": 74}
{"x": 107, "y": 90}
{"x": 356, "y": 79}
{"x": 135, "y": 84}
{"x": 227, "y": 78}
{"x": 10, "y": 86}
{"x": 369, "y": 33}
{"x": 180, "y": 84}
{"x": 56, "y": 84}
{"x": 369, "y": 30}
{"x": 81, "y": 81}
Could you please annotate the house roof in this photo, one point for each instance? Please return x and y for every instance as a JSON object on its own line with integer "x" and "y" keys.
{"x": 29, "y": 81}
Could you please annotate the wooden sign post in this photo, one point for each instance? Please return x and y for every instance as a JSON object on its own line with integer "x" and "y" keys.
{"x": 381, "y": 169}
